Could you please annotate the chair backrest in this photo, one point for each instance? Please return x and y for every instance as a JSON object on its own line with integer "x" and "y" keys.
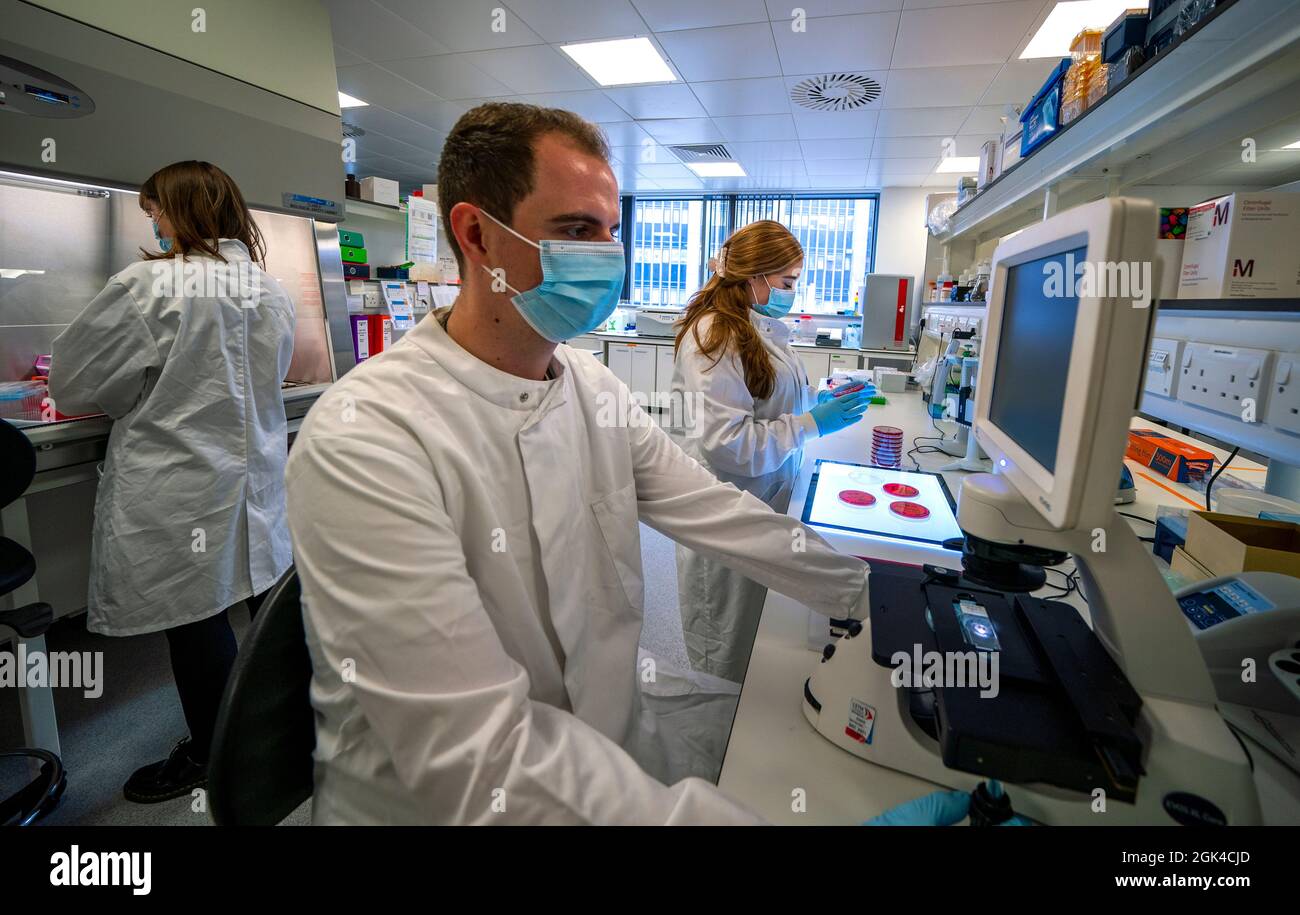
{"x": 260, "y": 768}
{"x": 17, "y": 463}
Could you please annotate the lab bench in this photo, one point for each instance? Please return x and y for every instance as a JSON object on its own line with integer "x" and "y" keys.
{"x": 645, "y": 364}
{"x": 773, "y": 752}
{"x": 53, "y": 520}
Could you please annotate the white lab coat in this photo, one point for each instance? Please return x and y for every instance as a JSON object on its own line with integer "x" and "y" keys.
{"x": 758, "y": 446}
{"x": 190, "y": 514}
{"x": 471, "y": 573}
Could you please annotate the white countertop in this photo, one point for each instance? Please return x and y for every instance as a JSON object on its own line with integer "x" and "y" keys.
{"x": 631, "y": 335}
{"x": 773, "y": 750}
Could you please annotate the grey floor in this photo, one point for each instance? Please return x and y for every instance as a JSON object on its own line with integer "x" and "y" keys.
{"x": 138, "y": 718}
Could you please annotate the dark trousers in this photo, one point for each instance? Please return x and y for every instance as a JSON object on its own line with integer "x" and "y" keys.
{"x": 203, "y": 654}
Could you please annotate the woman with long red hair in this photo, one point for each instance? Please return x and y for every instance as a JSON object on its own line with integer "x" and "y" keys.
{"x": 747, "y": 410}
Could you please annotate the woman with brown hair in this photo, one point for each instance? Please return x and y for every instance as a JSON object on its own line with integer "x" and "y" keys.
{"x": 185, "y": 350}
{"x": 747, "y": 410}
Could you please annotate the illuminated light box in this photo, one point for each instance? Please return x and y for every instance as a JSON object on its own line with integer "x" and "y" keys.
{"x": 873, "y": 501}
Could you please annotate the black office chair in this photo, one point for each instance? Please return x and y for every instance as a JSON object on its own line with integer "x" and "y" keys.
{"x": 260, "y": 768}
{"x": 17, "y": 566}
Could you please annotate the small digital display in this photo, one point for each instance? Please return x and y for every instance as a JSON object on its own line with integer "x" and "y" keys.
{"x": 1039, "y": 308}
{"x": 47, "y": 95}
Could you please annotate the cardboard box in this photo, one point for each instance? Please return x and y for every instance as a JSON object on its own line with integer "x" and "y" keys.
{"x": 1187, "y": 566}
{"x": 1228, "y": 544}
{"x": 1175, "y": 459}
{"x": 1242, "y": 246}
{"x": 380, "y": 190}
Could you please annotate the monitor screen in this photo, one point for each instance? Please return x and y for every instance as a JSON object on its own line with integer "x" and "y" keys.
{"x": 1033, "y": 358}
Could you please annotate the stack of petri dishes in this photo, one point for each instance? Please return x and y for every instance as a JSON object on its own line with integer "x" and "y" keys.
{"x": 887, "y": 446}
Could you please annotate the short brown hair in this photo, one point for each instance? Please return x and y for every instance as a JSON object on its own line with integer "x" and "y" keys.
{"x": 203, "y": 204}
{"x": 487, "y": 159}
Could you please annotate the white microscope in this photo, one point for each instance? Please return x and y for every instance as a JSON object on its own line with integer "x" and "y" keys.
{"x": 1113, "y": 724}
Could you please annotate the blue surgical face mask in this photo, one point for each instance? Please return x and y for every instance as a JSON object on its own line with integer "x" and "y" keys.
{"x": 581, "y": 282}
{"x": 779, "y": 302}
{"x": 164, "y": 243}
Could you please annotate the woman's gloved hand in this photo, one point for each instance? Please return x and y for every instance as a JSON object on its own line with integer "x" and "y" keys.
{"x": 942, "y": 808}
{"x": 838, "y": 413}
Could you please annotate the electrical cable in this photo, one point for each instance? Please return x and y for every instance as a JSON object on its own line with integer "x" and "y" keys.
{"x": 1222, "y": 467}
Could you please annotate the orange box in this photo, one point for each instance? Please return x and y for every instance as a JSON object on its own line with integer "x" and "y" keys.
{"x": 1175, "y": 459}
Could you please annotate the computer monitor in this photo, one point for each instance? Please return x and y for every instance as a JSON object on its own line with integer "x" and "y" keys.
{"x": 1069, "y": 313}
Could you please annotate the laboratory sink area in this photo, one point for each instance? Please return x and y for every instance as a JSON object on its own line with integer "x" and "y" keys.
{"x": 879, "y": 415}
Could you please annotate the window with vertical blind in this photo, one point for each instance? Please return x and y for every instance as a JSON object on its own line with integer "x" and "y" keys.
{"x": 674, "y": 239}
{"x": 666, "y": 251}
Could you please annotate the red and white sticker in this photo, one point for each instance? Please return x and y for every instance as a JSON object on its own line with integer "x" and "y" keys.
{"x": 862, "y": 721}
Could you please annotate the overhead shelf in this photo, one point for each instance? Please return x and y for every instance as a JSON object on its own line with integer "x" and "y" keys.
{"x": 368, "y": 210}
{"x": 1181, "y": 120}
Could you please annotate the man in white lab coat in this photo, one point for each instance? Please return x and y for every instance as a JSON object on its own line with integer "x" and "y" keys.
{"x": 464, "y": 511}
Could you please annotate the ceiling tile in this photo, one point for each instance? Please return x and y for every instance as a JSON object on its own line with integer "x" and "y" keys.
{"x": 937, "y": 87}
{"x": 624, "y": 133}
{"x": 951, "y": 36}
{"x": 537, "y": 68}
{"x": 728, "y": 52}
{"x": 908, "y": 166}
{"x": 683, "y": 130}
{"x": 449, "y": 76}
{"x": 665, "y": 171}
{"x": 986, "y": 119}
{"x": 375, "y": 33}
{"x": 920, "y": 122}
{"x": 671, "y": 101}
{"x": 563, "y": 21}
{"x": 1018, "y": 81}
{"x": 345, "y": 58}
{"x": 776, "y": 167}
{"x": 902, "y": 147}
{"x": 758, "y": 127}
{"x": 836, "y": 167}
{"x": 757, "y": 151}
{"x": 829, "y": 125}
{"x": 859, "y": 148}
{"x": 779, "y": 10}
{"x": 394, "y": 125}
{"x": 593, "y": 104}
{"x": 743, "y": 96}
{"x": 833, "y": 43}
{"x": 837, "y": 182}
{"x": 647, "y": 153}
{"x": 930, "y": 4}
{"x": 438, "y": 114}
{"x": 670, "y": 15}
{"x": 378, "y": 86}
{"x": 460, "y": 25}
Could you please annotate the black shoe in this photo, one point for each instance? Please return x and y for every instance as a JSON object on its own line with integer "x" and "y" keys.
{"x": 172, "y": 777}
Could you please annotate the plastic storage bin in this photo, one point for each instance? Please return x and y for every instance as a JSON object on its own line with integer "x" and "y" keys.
{"x": 1042, "y": 116}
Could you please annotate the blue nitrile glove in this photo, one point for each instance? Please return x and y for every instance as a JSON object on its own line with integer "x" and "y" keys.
{"x": 840, "y": 412}
{"x": 942, "y": 808}
{"x": 823, "y": 396}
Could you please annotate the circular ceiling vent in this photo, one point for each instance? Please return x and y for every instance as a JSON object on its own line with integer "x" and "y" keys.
{"x": 835, "y": 92}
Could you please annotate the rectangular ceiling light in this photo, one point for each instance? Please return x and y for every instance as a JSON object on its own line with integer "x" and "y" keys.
{"x": 1295, "y": 145}
{"x": 620, "y": 62}
{"x": 348, "y": 101}
{"x": 961, "y": 165}
{"x": 717, "y": 169}
{"x": 1071, "y": 17}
